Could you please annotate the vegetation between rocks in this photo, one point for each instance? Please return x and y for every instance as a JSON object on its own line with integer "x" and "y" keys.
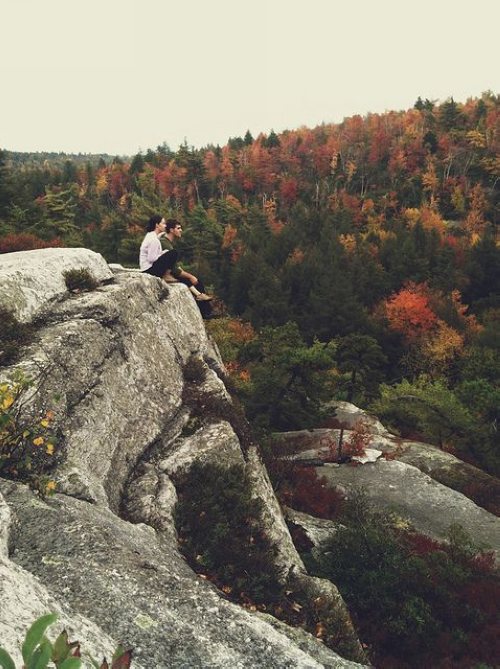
{"x": 219, "y": 531}
{"x": 28, "y": 446}
{"x": 416, "y": 602}
{"x": 79, "y": 280}
{"x": 13, "y": 336}
{"x": 219, "y": 528}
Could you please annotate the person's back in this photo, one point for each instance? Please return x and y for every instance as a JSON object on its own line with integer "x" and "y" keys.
{"x": 150, "y": 250}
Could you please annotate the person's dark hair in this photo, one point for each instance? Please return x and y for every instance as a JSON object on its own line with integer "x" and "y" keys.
{"x": 153, "y": 222}
{"x": 171, "y": 224}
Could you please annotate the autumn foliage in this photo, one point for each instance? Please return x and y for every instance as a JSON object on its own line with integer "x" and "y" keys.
{"x": 302, "y": 489}
{"x": 409, "y": 312}
{"x": 416, "y": 602}
{"x": 24, "y": 241}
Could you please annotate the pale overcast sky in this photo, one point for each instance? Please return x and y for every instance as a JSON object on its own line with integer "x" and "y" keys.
{"x": 119, "y": 76}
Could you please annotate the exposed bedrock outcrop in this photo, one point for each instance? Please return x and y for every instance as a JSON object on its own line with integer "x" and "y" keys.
{"x": 32, "y": 280}
{"x": 103, "y": 550}
{"x": 430, "y": 488}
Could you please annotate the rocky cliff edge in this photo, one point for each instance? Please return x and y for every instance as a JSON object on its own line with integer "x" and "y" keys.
{"x": 102, "y": 552}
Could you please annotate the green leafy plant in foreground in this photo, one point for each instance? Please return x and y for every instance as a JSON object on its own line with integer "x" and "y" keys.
{"x": 39, "y": 653}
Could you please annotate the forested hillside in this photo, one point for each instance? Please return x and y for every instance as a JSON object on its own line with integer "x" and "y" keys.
{"x": 363, "y": 257}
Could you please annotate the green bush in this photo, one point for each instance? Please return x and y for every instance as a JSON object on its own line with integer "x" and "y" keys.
{"x": 429, "y": 410}
{"x": 416, "y": 602}
{"x": 27, "y": 447}
{"x": 39, "y": 653}
{"x": 218, "y": 523}
{"x": 78, "y": 280}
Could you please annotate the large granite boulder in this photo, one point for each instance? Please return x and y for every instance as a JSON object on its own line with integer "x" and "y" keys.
{"x": 113, "y": 375}
{"x": 24, "y": 598}
{"x": 133, "y": 584}
{"x": 430, "y": 488}
{"x": 432, "y": 508}
{"x": 30, "y": 281}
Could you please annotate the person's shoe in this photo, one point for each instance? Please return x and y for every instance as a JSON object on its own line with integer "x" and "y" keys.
{"x": 203, "y": 297}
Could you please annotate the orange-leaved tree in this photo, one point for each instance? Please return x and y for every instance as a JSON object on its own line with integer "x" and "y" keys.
{"x": 409, "y": 312}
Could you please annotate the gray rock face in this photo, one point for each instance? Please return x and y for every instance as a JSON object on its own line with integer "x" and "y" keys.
{"x": 317, "y": 530}
{"x": 430, "y": 506}
{"x": 24, "y": 598}
{"x": 31, "y": 280}
{"x": 273, "y": 520}
{"x": 349, "y": 415}
{"x": 5, "y": 523}
{"x": 134, "y": 585}
{"x": 431, "y": 489}
{"x": 114, "y": 357}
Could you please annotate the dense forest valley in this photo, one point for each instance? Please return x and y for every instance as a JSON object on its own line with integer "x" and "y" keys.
{"x": 356, "y": 261}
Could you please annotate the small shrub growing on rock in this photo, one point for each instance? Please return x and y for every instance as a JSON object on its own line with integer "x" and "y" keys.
{"x": 13, "y": 335}
{"x": 210, "y": 406}
{"x": 359, "y": 441}
{"x": 297, "y": 485}
{"x": 27, "y": 447}
{"x": 303, "y": 490}
{"x": 79, "y": 280}
{"x": 194, "y": 370}
{"x": 219, "y": 532}
{"x": 39, "y": 653}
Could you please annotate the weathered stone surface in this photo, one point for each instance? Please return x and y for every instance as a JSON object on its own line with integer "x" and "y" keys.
{"x": 317, "y": 445}
{"x": 151, "y": 498}
{"x": 215, "y": 442}
{"x": 5, "y": 521}
{"x": 32, "y": 280}
{"x": 114, "y": 359}
{"x": 349, "y": 415}
{"x": 273, "y": 520}
{"x": 430, "y": 506}
{"x": 133, "y": 584}
{"x": 317, "y": 530}
{"x": 24, "y": 598}
{"x": 479, "y": 486}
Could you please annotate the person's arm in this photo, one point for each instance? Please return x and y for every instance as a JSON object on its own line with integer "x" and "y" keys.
{"x": 177, "y": 271}
{"x": 186, "y": 275}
